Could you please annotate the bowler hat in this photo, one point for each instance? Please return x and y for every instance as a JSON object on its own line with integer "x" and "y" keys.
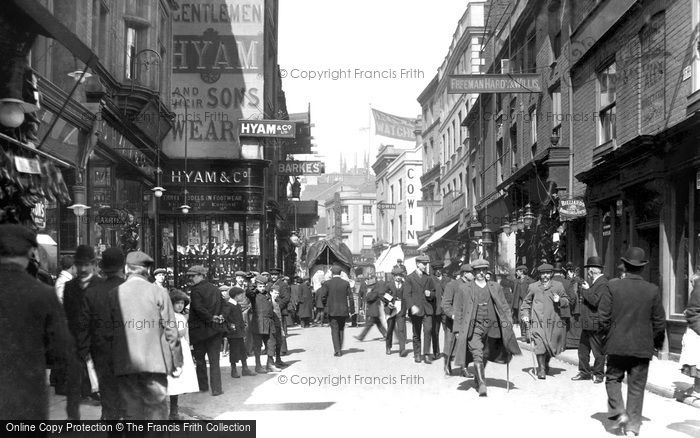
{"x": 16, "y": 240}
{"x": 139, "y": 258}
{"x": 521, "y": 268}
{"x": 335, "y": 270}
{"x": 437, "y": 264}
{"x": 197, "y": 270}
{"x": 558, "y": 267}
{"x": 480, "y": 264}
{"x": 634, "y": 256}
{"x": 545, "y": 267}
{"x": 422, "y": 259}
{"x": 594, "y": 262}
{"x": 397, "y": 271}
{"x": 84, "y": 254}
{"x": 466, "y": 268}
{"x": 160, "y": 271}
{"x": 249, "y": 275}
{"x": 178, "y": 295}
{"x": 275, "y": 271}
{"x": 112, "y": 260}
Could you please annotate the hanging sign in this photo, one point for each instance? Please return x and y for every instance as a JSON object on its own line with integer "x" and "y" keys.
{"x": 570, "y": 209}
{"x": 494, "y": 83}
{"x": 384, "y": 206}
{"x": 267, "y": 128}
{"x": 292, "y": 168}
{"x": 39, "y": 215}
{"x": 27, "y": 165}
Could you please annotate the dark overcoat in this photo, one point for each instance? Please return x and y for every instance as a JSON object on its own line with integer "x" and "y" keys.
{"x": 95, "y": 329}
{"x": 465, "y": 305}
{"x": 416, "y": 285}
{"x": 233, "y": 315}
{"x": 566, "y": 284}
{"x": 373, "y": 299}
{"x": 520, "y": 286}
{"x": 205, "y": 302}
{"x": 633, "y": 317}
{"x": 397, "y": 294}
{"x": 440, "y": 285}
{"x": 448, "y": 298}
{"x": 33, "y": 329}
{"x": 285, "y": 296}
{"x": 306, "y": 302}
{"x": 263, "y": 319}
{"x": 590, "y": 300}
{"x": 338, "y": 298}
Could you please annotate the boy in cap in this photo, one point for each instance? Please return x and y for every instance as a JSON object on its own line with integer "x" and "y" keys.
{"x": 236, "y": 333}
{"x": 160, "y": 275}
{"x": 263, "y": 325}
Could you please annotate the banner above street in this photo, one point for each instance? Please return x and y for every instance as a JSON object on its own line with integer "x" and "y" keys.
{"x": 388, "y": 125}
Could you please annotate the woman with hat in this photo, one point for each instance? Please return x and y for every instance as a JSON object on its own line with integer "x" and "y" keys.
{"x": 543, "y": 309}
{"x": 187, "y": 381}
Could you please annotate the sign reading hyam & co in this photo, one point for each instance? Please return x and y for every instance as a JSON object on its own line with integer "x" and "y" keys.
{"x": 570, "y": 209}
{"x": 292, "y": 168}
{"x": 510, "y": 83}
{"x": 266, "y": 128}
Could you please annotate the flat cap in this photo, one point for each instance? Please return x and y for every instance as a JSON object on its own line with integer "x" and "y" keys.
{"x": 239, "y": 274}
{"x": 521, "y": 268}
{"x": 234, "y": 291}
{"x": 139, "y": 258}
{"x": 480, "y": 264}
{"x": 260, "y": 279}
{"x": 545, "y": 267}
{"x": 224, "y": 288}
{"x": 16, "y": 240}
{"x": 275, "y": 271}
{"x": 397, "y": 271}
{"x": 250, "y": 275}
{"x": 197, "y": 270}
{"x": 467, "y": 267}
{"x": 265, "y": 273}
{"x": 178, "y": 295}
{"x": 422, "y": 259}
{"x": 160, "y": 271}
{"x": 437, "y": 264}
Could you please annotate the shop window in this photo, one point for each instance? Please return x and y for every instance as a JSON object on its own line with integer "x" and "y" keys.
{"x": 367, "y": 214}
{"x": 345, "y": 214}
{"x": 555, "y": 96}
{"x": 533, "y": 129}
{"x": 607, "y": 105}
{"x": 131, "y": 50}
{"x": 499, "y": 161}
{"x": 366, "y": 241}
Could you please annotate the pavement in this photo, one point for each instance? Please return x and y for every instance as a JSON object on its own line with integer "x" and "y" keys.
{"x": 367, "y": 392}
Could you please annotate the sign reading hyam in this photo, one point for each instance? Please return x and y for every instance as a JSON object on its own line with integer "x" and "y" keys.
{"x": 511, "y": 83}
{"x": 301, "y": 168}
{"x": 266, "y": 128}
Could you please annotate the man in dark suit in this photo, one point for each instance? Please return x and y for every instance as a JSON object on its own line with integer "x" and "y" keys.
{"x": 145, "y": 344}
{"x": 591, "y": 339}
{"x": 420, "y": 294}
{"x": 339, "y": 304}
{"x": 451, "y": 298}
{"x": 440, "y": 282}
{"x": 373, "y": 299}
{"x": 205, "y": 335}
{"x": 395, "y": 310}
{"x": 633, "y": 318}
{"x": 95, "y": 337}
{"x": 34, "y": 334}
{"x": 520, "y": 286}
{"x": 285, "y": 297}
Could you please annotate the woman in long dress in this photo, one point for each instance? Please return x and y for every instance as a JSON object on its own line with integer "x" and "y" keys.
{"x": 690, "y": 355}
{"x": 187, "y": 381}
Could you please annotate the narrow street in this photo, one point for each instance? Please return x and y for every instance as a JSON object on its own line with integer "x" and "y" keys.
{"x": 288, "y": 404}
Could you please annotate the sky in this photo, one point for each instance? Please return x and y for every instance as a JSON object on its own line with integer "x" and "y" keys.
{"x": 381, "y": 53}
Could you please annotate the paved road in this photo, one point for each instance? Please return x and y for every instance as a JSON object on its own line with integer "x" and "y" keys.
{"x": 365, "y": 392}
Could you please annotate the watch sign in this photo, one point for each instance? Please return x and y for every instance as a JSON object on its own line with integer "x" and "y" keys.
{"x": 292, "y": 168}
{"x": 266, "y": 128}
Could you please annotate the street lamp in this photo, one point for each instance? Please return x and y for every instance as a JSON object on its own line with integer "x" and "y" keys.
{"x": 529, "y": 217}
{"x": 554, "y": 138}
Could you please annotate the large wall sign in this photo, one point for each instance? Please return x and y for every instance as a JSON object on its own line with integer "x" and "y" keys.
{"x": 218, "y": 57}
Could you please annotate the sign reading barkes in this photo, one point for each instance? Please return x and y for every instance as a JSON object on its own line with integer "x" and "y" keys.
{"x": 510, "y": 83}
{"x": 570, "y": 209}
{"x": 218, "y": 59}
{"x": 292, "y": 168}
{"x": 266, "y": 128}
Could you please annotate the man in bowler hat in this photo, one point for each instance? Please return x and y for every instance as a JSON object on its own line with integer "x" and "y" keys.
{"x": 420, "y": 294}
{"x": 591, "y": 340}
{"x": 633, "y": 320}
{"x": 395, "y": 310}
{"x": 34, "y": 334}
{"x": 337, "y": 295}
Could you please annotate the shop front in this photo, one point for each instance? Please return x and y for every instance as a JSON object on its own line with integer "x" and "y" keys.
{"x": 224, "y": 227}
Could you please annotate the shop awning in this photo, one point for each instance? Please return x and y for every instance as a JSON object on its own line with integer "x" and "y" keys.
{"x": 387, "y": 259}
{"x": 439, "y": 234}
{"x": 410, "y": 264}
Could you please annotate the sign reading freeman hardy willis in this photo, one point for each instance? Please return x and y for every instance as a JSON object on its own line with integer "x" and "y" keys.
{"x": 266, "y": 128}
{"x": 218, "y": 57}
{"x": 511, "y": 83}
{"x": 388, "y": 125}
{"x": 292, "y": 168}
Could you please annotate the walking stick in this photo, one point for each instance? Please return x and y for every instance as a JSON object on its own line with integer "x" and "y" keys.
{"x": 532, "y": 344}
{"x": 508, "y": 376}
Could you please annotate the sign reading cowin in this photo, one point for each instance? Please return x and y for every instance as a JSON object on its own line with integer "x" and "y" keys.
{"x": 217, "y": 57}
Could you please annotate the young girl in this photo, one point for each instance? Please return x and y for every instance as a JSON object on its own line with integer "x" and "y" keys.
{"x": 187, "y": 381}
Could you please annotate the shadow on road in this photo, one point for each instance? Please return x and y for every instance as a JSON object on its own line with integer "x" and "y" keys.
{"x": 688, "y": 427}
{"x": 608, "y": 423}
{"x": 468, "y": 384}
{"x": 307, "y": 406}
{"x": 296, "y": 350}
{"x": 352, "y": 350}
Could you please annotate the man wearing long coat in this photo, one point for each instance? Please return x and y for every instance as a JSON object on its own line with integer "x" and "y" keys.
{"x": 520, "y": 284}
{"x": 483, "y": 326}
{"x": 395, "y": 310}
{"x": 306, "y": 304}
{"x": 545, "y": 308}
{"x": 339, "y": 304}
{"x": 451, "y": 297}
{"x": 373, "y": 299}
{"x": 420, "y": 294}
{"x": 440, "y": 281}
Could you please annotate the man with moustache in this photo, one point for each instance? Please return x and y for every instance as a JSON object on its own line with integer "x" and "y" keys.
{"x": 453, "y": 296}
{"x": 440, "y": 282}
{"x": 420, "y": 296}
{"x": 483, "y": 326}
{"x": 395, "y": 310}
{"x": 591, "y": 339}
{"x": 544, "y": 309}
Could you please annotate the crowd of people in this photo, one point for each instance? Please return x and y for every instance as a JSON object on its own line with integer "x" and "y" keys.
{"x": 117, "y": 326}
